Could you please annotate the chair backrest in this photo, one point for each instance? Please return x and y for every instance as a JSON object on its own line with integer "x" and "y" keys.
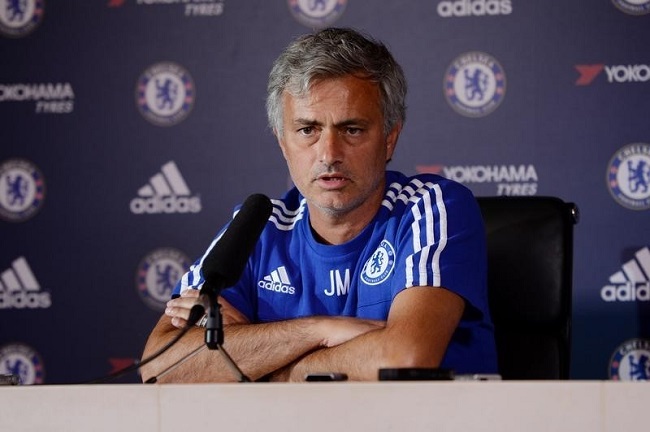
{"x": 530, "y": 270}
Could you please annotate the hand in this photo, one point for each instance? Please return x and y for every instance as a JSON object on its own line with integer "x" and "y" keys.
{"x": 179, "y": 308}
{"x": 337, "y": 330}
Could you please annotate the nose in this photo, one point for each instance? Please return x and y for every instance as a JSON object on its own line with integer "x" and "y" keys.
{"x": 330, "y": 147}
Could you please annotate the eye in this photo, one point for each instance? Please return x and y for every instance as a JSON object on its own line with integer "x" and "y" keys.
{"x": 307, "y": 130}
{"x": 354, "y": 131}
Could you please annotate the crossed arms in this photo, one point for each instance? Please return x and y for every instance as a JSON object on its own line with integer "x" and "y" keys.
{"x": 420, "y": 324}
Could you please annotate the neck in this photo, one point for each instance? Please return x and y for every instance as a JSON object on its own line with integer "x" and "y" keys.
{"x": 338, "y": 228}
{"x": 335, "y": 233}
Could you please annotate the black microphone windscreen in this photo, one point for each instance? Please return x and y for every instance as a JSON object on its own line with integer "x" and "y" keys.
{"x": 226, "y": 261}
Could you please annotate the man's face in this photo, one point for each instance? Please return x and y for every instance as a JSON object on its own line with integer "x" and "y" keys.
{"x": 334, "y": 143}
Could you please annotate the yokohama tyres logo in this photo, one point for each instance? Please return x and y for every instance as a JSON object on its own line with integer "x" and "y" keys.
{"x": 615, "y": 74}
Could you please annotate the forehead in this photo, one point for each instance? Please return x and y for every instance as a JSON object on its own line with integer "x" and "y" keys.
{"x": 348, "y": 95}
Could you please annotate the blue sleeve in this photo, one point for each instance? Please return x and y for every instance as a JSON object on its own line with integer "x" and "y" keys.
{"x": 442, "y": 244}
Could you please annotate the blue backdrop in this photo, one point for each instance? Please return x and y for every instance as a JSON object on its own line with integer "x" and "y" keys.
{"x": 131, "y": 128}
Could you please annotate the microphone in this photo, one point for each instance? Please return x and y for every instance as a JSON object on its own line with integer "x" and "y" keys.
{"x": 224, "y": 264}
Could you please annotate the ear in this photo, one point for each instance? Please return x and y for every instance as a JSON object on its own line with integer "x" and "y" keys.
{"x": 391, "y": 140}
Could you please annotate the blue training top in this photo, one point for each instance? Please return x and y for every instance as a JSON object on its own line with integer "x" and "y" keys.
{"x": 428, "y": 232}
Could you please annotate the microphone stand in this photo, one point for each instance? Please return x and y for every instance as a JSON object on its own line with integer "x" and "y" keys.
{"x": 214, "y": 334}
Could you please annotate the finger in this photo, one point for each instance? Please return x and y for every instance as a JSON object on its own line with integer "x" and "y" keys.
{"x": 178, "y": 322}
{"x": 176, "y": 312}
{"x": 194, "y": 293}
{"x": 185, "y": 301}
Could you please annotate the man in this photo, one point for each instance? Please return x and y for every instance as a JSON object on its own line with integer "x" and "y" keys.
{"x": 358, "y": 268}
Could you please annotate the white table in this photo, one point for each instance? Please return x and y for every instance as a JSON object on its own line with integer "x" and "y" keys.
{"x": 522, "y": 406}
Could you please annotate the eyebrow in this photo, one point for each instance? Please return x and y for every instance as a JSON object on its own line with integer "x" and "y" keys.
{"x": 344, "y": 123}
{"x": 306, "y": 122}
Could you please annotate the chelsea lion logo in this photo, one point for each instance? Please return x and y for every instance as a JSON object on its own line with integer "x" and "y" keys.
{"x": 19, "y": 18}
{"x": 165, "y": 94}
{"x": 157, "y": 275}
{"x": 380, "y": 265}
{"x": 317, "y": 13}
{"x": 631, "y": 361}
{"x": 633, "y": 7}
{"x": 628, "y": 176}
{"x": 22, "y": 190}
{"x": 475, "y": 84}
{"x": 22, "y": 361}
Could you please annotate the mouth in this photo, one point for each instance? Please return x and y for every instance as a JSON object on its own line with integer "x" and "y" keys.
{"x": 332, "y": 181}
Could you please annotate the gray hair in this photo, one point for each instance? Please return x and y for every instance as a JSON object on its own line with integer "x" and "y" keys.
{"x": 332, "y": 53}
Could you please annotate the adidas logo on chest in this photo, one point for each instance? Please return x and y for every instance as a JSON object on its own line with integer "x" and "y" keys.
{"x": 277, "y": 281}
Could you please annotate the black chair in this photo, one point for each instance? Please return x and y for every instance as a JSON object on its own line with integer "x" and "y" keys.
{"x": 530, "y": 268}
